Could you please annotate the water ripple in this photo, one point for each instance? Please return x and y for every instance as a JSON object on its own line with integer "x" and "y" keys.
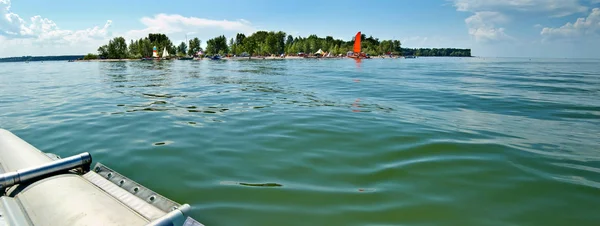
{"x": 330, "y": 142}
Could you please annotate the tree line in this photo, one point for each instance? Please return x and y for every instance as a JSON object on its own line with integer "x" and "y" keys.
{"x": 437, "y": 52}
{"x": 40, "y": 58}
{"x": 261, "y": 43}
{"x": 117, "y": 48}
{"x": 267, "y": 43}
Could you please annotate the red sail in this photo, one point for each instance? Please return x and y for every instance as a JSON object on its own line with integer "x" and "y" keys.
{"x": 357, "y": 43}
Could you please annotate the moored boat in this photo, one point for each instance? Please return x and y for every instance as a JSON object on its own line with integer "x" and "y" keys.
{"x": 357, "y": 54}
{"x": 165, "y": 54}
{"x": 155, "y": 53}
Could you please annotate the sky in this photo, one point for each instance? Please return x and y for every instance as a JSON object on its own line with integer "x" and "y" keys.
{"x": 491, "y": 28}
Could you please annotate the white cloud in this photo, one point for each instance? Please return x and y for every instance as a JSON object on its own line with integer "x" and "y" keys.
{"x": 483, "y": 26}
{"x": 9, "y": 22}
{"x": 583, "y": 26}
{"x": 557, "y": 8}
{"x": 42, "y": 36}
{"x": 40, "y": 32}
{"x": 173, "y": 23}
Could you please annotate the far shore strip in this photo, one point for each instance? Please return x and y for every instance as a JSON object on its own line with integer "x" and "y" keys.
{"x": 227, "y": 58}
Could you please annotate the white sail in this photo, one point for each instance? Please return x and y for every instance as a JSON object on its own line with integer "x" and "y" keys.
{"x": 165, "y": 53}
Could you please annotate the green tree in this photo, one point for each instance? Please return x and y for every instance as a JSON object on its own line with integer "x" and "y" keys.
{"x": 172, "y": 49}
{"x": 280, "y": 45}
{"x": 132, "y": 48}
{"x": 103, "y": 51}
{"x": 270, "y": 45}
{"x": 293, "y": 49}
{"x": 289, "y": 41}
{"x": 182, "y": 49}
{"x": 397, "y": 47}
{"x": 217, "y": 45}
{"x": 250, "y": 45}
{"x": 385, "y": 46}
{"x": 146, "y": 47}
{"x": 232, "y": 46}
{"x": 239, "y": 44}
{"x": 194, "y": 46}
{"x": 264, "y": 42}
{"x": 90, "y": 56}
{"x": 117, "y": 48}
{"x": 158, "y": 38}
{"x": 307, "y": 47}
{"x": 336, "y": 50}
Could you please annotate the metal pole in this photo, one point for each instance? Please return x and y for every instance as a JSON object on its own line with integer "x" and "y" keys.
{"x": 175, "y": 217}
{"x": 27, "y": 174}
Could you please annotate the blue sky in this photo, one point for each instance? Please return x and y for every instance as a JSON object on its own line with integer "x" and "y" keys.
{"x": 521, "y": 28}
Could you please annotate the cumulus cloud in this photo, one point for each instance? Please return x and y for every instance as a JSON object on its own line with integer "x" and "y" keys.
{"x": 173, "y": 23}
{"x": 483, "y": 26}
{"x": 557, "y": 8}
{"x": 40, "y": 30}
{"x": 42, "y": 36}
{"x": 583, "y": 26}
{"x": 10, "y": 23}
{"x": 39, "y": 35}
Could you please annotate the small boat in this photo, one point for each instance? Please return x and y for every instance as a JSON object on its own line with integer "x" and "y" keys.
{"x": 165, "y": 55}
{"x": 154, "y": 53}
{"x": 357, "y": 54}
{"x": 410, "y": 57}
{"x": 216, "y": 57}
{"x": 38, "y": 188}
{"x": 185, "y": 58}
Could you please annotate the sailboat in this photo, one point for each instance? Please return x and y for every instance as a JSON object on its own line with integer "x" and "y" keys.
{"x": 357, "y": 48}
{"x": 154, "y": 54}
{"x": 186, "y": 57}
{"x": 165, "y": 54}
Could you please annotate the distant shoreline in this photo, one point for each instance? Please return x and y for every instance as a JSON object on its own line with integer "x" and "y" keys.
{"x": 80, "y": 59}
{"x": 106, "y": 60}
{"x": 265, "y": 58}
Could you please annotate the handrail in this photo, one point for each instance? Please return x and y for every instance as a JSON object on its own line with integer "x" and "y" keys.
{"x": 26, "y": 175}
{"x": 175, "y": 217}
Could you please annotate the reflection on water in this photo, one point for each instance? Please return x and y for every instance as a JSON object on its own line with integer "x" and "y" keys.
{"x": 150, "y": 80}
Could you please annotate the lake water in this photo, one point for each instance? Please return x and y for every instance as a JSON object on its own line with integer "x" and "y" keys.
{"x": 426, "y": 141}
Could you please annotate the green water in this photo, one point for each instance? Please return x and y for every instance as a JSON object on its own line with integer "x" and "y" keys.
{"x": 427, "y": 141}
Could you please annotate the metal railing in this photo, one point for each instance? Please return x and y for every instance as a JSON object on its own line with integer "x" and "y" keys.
{"x": 82, "y": 160}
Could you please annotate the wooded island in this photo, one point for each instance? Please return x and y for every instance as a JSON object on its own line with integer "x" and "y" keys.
{"x": 261, "y": 43}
